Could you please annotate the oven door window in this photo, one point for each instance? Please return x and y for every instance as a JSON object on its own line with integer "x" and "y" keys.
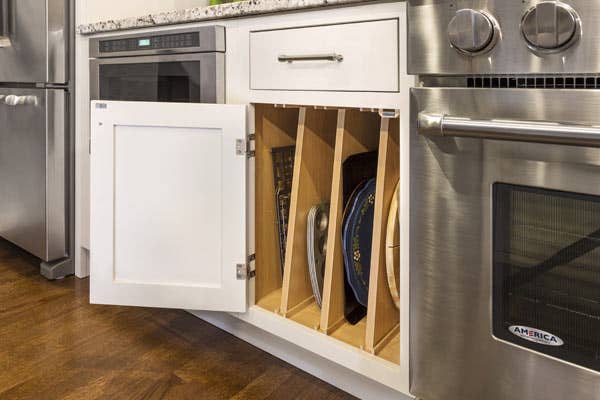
{"x": 546, "y": 272}
{"x": 154, "y": 82}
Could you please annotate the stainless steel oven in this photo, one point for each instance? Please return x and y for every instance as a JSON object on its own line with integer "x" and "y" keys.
{"x": 183, "y": 65}
{"x": 505, "y": 200}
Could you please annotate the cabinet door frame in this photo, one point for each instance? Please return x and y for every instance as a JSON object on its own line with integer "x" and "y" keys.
{"x": 231, "y": 292}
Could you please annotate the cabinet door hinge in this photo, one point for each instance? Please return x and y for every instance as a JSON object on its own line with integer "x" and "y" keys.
{"x": 244, "y": 147}
{"x": 243, "y": 272}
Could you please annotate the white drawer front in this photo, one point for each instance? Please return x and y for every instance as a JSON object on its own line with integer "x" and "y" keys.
{"x": 369, "y": 50}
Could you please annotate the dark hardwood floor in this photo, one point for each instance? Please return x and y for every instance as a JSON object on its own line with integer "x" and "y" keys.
{"x": 55, "y": 345}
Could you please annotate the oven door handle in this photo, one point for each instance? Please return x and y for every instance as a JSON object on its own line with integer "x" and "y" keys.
{"x": 433, "y": 124}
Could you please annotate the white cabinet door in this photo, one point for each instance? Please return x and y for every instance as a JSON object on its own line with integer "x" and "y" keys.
{"x": 168, "y": 205}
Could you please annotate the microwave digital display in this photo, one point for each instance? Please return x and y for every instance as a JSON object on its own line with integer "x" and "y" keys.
{"x": 144, "y": 42}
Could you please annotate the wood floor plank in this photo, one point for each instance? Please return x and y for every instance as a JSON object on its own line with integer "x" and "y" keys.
{"x": 55, "y": 345}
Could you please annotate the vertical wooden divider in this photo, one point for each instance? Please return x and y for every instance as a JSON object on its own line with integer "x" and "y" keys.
{"x": 382, "y": 316}
{"x": 357, "y": 132}
{"x": 311, "y": 186}
{"x": 274, "y": 128}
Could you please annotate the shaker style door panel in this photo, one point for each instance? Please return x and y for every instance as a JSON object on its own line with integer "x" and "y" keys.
{"x": 168, "y": 210}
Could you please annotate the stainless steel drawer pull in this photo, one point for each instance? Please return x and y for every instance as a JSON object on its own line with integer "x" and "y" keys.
{"x": 432, "y": 124}
{"x": 311, "y": 57}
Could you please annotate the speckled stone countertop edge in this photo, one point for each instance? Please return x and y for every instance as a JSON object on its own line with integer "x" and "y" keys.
{"x": 197, "y": 14}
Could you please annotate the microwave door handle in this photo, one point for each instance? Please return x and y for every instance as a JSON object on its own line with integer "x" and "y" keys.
{"x": 5, "y": 23}
{"x": 432, "y": 124}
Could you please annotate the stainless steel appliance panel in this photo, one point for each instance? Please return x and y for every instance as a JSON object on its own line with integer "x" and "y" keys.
{"x": 33, "y": 205}
{"x": 430, "y": 50}
{"x": 34, "y": 43}
{"x": 453, "y": 352}
{"x": 208, "y": 39}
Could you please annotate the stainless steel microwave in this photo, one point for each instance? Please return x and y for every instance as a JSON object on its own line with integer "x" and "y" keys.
{"x": 183, "y": 65}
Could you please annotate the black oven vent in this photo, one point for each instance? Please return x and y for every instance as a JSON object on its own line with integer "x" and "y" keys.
{"x": 534, "y": 82}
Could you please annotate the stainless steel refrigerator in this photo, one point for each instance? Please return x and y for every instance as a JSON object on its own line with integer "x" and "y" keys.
{"x": 35, "y": 137}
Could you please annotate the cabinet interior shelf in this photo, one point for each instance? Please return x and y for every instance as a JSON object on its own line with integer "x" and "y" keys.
{"x": 323, "y": 140}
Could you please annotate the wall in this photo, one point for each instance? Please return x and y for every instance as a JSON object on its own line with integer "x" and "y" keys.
{"x": 99, "y": 10}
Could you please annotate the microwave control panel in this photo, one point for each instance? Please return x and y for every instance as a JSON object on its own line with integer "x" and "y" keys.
{"x": 205, "y": 39}
{"x": 178, "y": 40}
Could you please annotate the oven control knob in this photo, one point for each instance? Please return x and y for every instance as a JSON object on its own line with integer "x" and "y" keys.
{"x": 473, "y": 32}
{"x": 550, "y": 26}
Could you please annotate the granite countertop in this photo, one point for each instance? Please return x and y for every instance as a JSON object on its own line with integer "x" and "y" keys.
{"x": 222, "y": 11}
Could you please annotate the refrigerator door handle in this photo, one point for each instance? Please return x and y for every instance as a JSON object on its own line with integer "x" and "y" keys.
{"x": 14, "y": 100}
{"x": 5, "y": 23}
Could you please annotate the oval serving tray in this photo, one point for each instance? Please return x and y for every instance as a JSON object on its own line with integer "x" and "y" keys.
{"x": 357, "y": 238}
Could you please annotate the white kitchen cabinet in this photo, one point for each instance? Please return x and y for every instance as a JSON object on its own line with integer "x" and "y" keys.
{"x": 172, "y": 204}
{"x": 369, "y": 359}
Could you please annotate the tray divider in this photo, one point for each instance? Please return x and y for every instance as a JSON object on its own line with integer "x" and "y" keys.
{"x": 311, "y": 186}
{"x": 382, "y": 315}
{"x": 274, "y": 128}
{"x": 357, "y": 132}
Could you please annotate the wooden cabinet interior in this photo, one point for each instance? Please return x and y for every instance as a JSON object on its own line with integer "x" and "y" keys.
{"x": 324, "y": 139}
{"x": 357, "y": 133}
{"x": 275, "y": 127}
{"x": 382, "y": 315}
{"x": 311, "y": 185}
